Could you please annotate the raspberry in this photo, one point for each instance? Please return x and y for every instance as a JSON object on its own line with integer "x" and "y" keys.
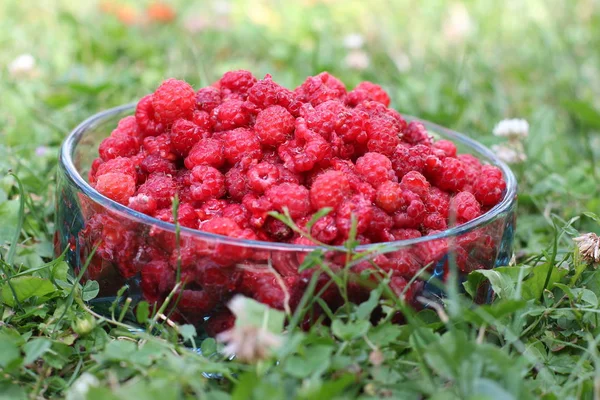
{"x": 381, "y": 223}
{"x": 258, "y": 208}
{"x": 218, "y": 322}
{"x": 438, "y": 201}
{"x": 154, "y": 163}
{"x": 157, "y": 279}
{"x": 416, "y": 183}
{"x": 367, "y": 91}
{"x": 452, "y": 176}
{"x": 121, "y": 165}
{"x": 375, "y": 168}
{"x": 383, "y": 136}
{"x": 389, "y": 196}
{"x": 172, "y": 100}
{"x": 241, "y": 145}
{"x": 404, "y": 264}
{"x": 208, "y": 98}
{"x": 116, "y": 186}
{"x": 196, "y": 304}
{"x": 292, "y": 196}
{"x": 202, "y": 119}
{"x": 446, "y": 146}
{"x": 206, "y": 183}
{"x": 127, "y": 126}
{"x": 220, "y": 226}
{"x": 265, "y": 93}
{"x": 325, "y": 229}
{"x": 305, "y": 151}
{"x": 262, "y": 176}
{"x": 207, "y": 151}
{"x": 274, "y": 125}
{"x": 329, "y": 189}
{"x": 238, "y": 213}
{"x": 143, "y": 204}
{"x": 351, "y": 126}
{"x": 186, "y": 216}
{"x": 277, "y": 230}
{"x": 160, "y": 145}
{"x": 405, "y": 234}
{"x": 236, "y": 183}
{"x": 118, "y": 146}
{"x": 211, "y": 208}
{"x": 435, "y": 221}
{"x": 237, "y": 82}
{"x": 416, "y": 133}
{"x": 184, "y": 135}
{"x": 406, "y": 159}
{"x": 161, "y": 188}
{"x": 230, "y": 115}
{"x": 146, "y": 117}
{"x": 323, "y": 118}
{"x": 318, "y": 89}
{"x": 464, "y": 207}
{"x": 357, "y": 207}
{"x": 489, "y": 187}
{"x": 411, "y": 213}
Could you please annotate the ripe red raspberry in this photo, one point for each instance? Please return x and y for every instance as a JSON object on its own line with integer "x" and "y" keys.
{"x": 206, "y": 183}
{"x": 172, "y": 100}
{"x": 323, "y": 118}
{"x": 121, "y": 165}
{"x": 446, "y": 146}
{"x": 404, "y": 264}
{"x": 160, "y": 145}
{"x": 161, "y": 188}
{"x": 127, "y": 126}
{"x": 489, "y": 187}
{"x": 375, "y": 168}
{"x": 416, "y": 133}
{"x": 367, "y": 91}
{"x": 383, "y": 136}
{"x": 412, "y": 212}
{"x": 216, "y": 279}
{"x": 146, "y": 117}
{"x": 211, "y": 208}
{"x": 184, "y": 135}
{"x": 405, "y": 234}
{"x": 238, "y": 213}
{"x": 435, "y": 221}
{"x": 196, "y": 304}
{"x": 277, "y": 230}
{"x": 264, "y": 288}
{"x": 236, "y": 183}
{"x": 406, "y": 159}
{"x": 295, "y": 197}
{"x": 221, "y": 321}
{"x": 118, "y": 146}
{"x": 358, "y": 207}
{"x": 380, "y": 226}
{"x": 262, "y": 176}
{"x": 305, "y": 151}
{"x": 186, "y": 215}
{"x": 464, "y": 207}
{"x": 438, "y": 201}
{"x": 416, "y": 183}
{"x": 241, "y": 145}
{"x": 320, "y": 88}
{"x": 208, "y": 98}
{"x": 116, "y": 186}
{"x": 452, "y": 176}
{"x": 153, "y": 163}
{"x": 207, "y": 151}
{"x": 325, "y": 229}
{"x": 389, "y": 196}
{"x": 329, "y": 189}
{"x": 143, "y": 204}
{"x": 351, "y": 126}
{"x": 274, "y": 125}
{"x": 157, "y": 279}
{"x": 237, "y": 82}
{"x": 230, "y": 115}
{"x": 203, "y": 120}
{"x": 258, "y": 208}
{"x": 265, "y": 93}
{"x": 220, "y": 226}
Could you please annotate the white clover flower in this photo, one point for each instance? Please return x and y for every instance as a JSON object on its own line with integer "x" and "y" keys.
{"x": 402, "y": 61}
{"x": 354, "y": 41}
{"x": 249, "y": 343}
{"x": 589, "y": 247}
{"x": 358, "y": 60}
{"x": 458, "y": 25}
{"x": 512, "y": 128}
{"x": 23, "y": 65}
{"x": 509, "y": 154}
{"x": 81, "y": 386}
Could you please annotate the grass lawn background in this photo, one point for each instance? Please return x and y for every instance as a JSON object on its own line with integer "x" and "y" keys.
{"x": 461, "y": 65}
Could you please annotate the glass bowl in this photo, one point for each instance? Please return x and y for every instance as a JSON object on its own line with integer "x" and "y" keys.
{"x": 146, "y": 255}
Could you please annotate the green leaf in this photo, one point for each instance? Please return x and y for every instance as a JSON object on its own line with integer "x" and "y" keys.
{"x": 534, "y": 285}
{"x": 364, "y": 310}
{"x": 490, "y": 389}
{"x": 142, "y": 312}
{"x": 9, "y": 215}
{"x": 315, "y": 361}
{"x": 187, "y": 331}
{"x": 258, "y": 315}
{"x": 25, "y": 288}
{"x": 90, "y": 290}
{"x": 35, "y": 348}
{"x": 503, "y": 280}
{"x": 317, "y": 216}
{"x": 208, "y": 347}
{"x": 350, "y": 330}
{"x": 60, "y": 271}
{"x": 10, "y": 341}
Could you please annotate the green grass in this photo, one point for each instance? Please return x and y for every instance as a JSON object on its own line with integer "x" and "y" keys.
{"x": 535, "y": 60}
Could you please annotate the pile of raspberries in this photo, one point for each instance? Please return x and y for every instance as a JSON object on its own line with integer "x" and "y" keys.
{"x": 243, "y": 147}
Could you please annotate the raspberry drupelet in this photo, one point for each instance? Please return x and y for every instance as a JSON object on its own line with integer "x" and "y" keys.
{"x": 244, "y": 147}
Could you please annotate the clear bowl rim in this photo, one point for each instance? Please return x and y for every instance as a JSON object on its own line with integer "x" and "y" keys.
{"x": 72, "y": 140}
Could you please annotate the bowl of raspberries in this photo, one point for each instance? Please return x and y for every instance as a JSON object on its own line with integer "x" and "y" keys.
{"x": 229, "y": 188}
